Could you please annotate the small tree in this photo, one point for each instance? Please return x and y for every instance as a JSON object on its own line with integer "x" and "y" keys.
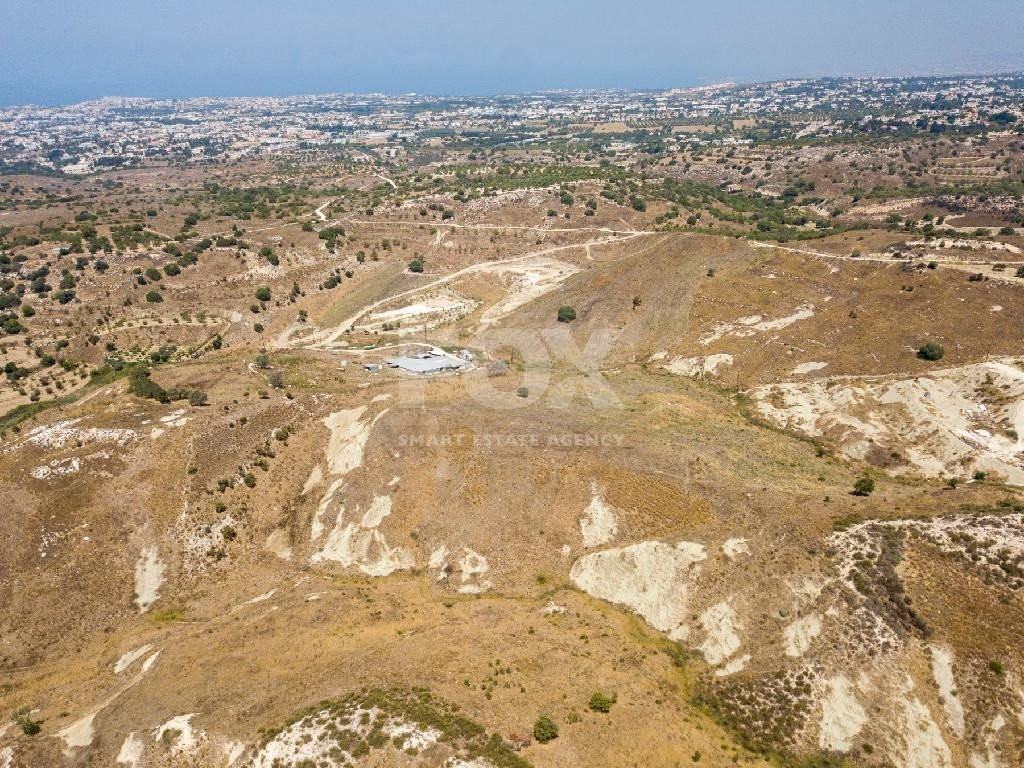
{"x": 864, "y": 486}
{"x": 566, "y": 314}
{"x": 599, "y": 702}
{"x": 930, "y": 350}
{"x": 545, "y": 729}
{"x": 154, "y": 297}
{"x": 263, "y": 293}
{"x": 416, "y": 265}
{"x": 23, "y": 719}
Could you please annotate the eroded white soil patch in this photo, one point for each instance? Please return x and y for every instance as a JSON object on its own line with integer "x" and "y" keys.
{"x": 64, "y": 433}
{"x": 349, "y": 432}
{"x": 599, "y": 524}
{"x": 179, "y": 731}
{"x": 733, "y": 548}
{"x": 942, "y": 671}
{"x": 472, "y": 569}
{"x": 946, "y": 243}
{"x": 805, "y": 368}
{"x": 359, "y": 543}
{"x": 525, "y": 281}
{"x": 426, "y": 313}
{"x": 842, "y": 716}
{"x": 721, "y": 632}
{"x": 754, "y": 324}
{"x": 800, "y": 634}
{"x": 79, "y": 733}
{"x": 57, "y": 468}
{"x": 130, "y": 658}
{"x": 923, "y": 745}
{"x": 131, "y": 751}
{"x": 651, "y": 578}
{"x": 277, "y": 543}
{"x": 149, "y": 575}
{"x": 698, "y": 366}
{"x": 310, "y": 741}
{"x": 991, "y": 757}
{"x": 949, "y": 422}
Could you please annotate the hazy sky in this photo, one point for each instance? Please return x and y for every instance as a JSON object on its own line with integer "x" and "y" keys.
{"x": 59, "y": 52}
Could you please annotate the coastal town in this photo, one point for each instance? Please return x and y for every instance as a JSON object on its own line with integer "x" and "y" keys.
{"x": 123, "y": 132}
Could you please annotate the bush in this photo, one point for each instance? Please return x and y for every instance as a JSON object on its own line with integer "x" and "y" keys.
{"x": 1020, "y": 271}
{"x": 864, "y": 486}
{"x": 154, "y": 297}
{"x": 930, "y": 350}
{"x": 140, "y": 385}
{"x": 599, "y": 702}
{"x": 23, "y": 719}
{"x": 545, "y": 729}
{"x": 566, "y": 314}
{"x": 416, "y": 265}
{"x": 263, "y": 293}
{"x": 171, "y": 270}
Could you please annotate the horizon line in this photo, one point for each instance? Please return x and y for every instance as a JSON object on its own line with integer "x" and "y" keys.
{"x": 726, "y": 82}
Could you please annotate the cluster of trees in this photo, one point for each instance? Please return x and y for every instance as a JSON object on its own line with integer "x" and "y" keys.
{"x": 141, "y": 384}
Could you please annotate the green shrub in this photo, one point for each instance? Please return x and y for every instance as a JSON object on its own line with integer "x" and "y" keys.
{"x": 545, "y": 729}
{"x": 864, "y": 486}
{"x": 566, "y": 314}
{"x": 416, "y": 265}
{"x": 154, "y": 297}
{"x": 931, "y": 350}
{"x": 599, "y": 702}
{"x": 263, "y": 293}
{"x": 23, "y": 719}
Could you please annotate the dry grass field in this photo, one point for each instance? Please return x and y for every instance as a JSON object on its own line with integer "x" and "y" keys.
{"x": 236, "y": 535}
